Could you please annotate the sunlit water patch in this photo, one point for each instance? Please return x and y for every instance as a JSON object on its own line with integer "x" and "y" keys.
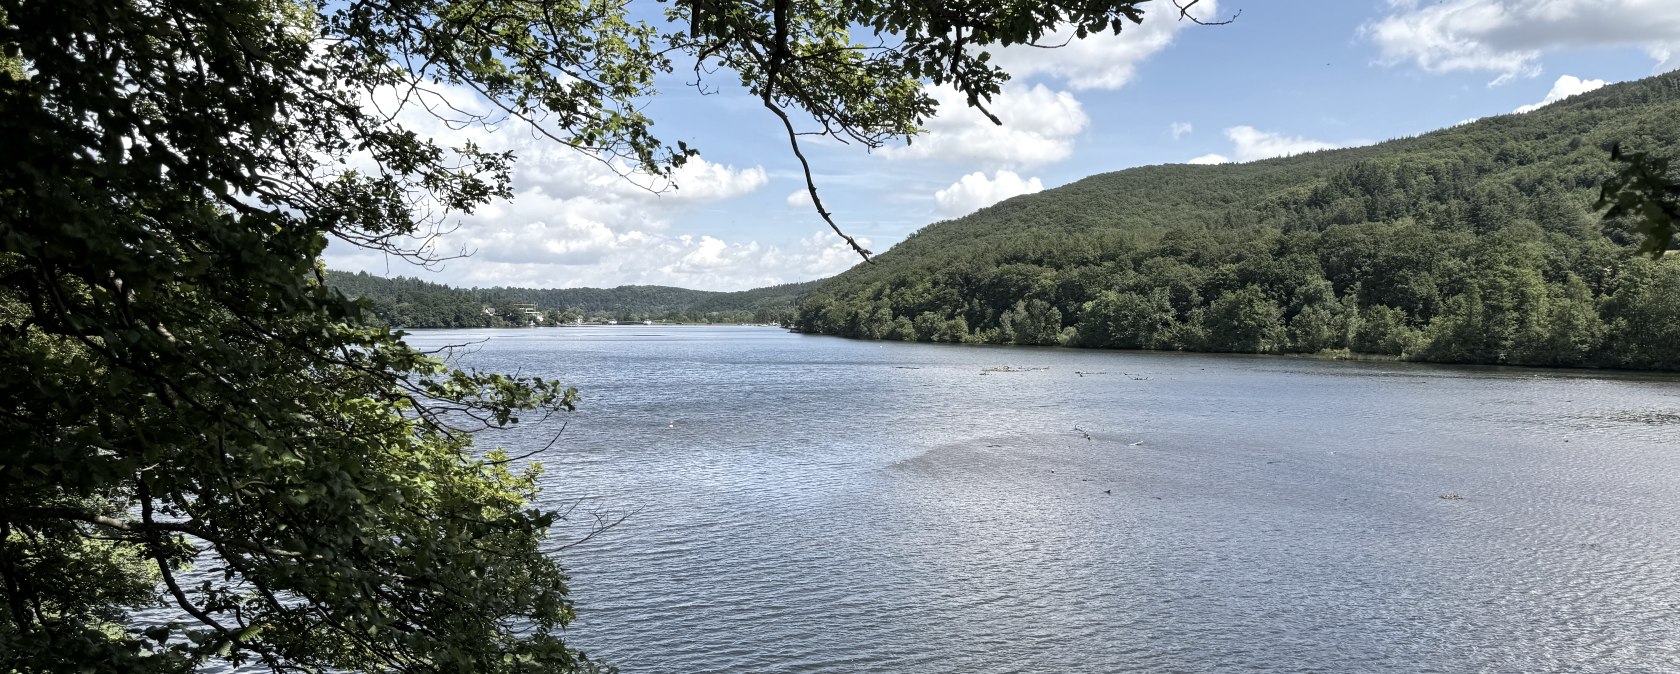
{"x": 808, "y": 504}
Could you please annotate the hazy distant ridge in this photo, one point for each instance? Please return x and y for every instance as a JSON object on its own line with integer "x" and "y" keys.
{"x": 415, "y": 303}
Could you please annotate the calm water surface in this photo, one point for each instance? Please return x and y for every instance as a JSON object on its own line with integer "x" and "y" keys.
{"x": 812, "y": 504}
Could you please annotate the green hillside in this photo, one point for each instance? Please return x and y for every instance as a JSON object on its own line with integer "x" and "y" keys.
{"x": 414, "y": 303}
{"x": 1471, "y": 244}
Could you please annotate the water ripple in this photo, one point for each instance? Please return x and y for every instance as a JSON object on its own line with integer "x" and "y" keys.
{"x": 805, "y": 504}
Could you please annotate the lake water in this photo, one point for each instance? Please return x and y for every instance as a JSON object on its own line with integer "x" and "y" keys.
{"x": 811, "y": 504}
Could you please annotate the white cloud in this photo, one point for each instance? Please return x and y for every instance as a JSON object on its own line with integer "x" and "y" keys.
{"x": 975, "y": 191}
{"x": 576, "y": 240}
{"x": 701, "y": 180}
{"x": 538, "y": 240}
{"x": 1101, "y": 60}
{"x": 575, "y": 221}
{"x": 605, "y": 259}
{"x": 1508, "y": 37}
{"x": 1564, "y": 87}
{"x": 1039, "y": 123}
{"x": 1039, "y": 126}
{"x": 800, "y": 198}
{"x": 1252, "y": 144}
{"x": 1665, "y": 56}
{"x": 553, "y": 168}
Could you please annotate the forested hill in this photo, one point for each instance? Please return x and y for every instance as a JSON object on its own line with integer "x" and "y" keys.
{"x": 414, "y": 303}
{"x": 1470, "y": 244}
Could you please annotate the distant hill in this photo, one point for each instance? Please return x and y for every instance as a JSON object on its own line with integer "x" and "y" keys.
{"x": 1470, "y": 244}
{"x": 414, "y": 303}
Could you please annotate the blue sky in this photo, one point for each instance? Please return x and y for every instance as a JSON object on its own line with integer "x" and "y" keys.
{"x": 1283, "y": 78}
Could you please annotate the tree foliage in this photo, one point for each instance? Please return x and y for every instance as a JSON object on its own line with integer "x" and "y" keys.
{"x": 414, "y": 303}
{"x": 1474, "y": 244}
{"x": 1647, "y": 191}
{"x": 184, "y": 392}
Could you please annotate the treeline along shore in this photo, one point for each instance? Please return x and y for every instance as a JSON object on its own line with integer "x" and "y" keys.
{"x": 406, "y": 302}
{"x": 1474, "y": 244}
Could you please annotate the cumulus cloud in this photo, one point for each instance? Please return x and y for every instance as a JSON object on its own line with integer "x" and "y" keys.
{"x": 1508, "y": 37}
{"x": 1101, "y": 60}
{"x": 1251, "y": 144}
{"x": 642, "y": 258}
{"x": 576, "y": 221}
{"x": 538, "y": 240}
{"x": 575, "y": 240}
{"x": 1040, "y": 122}
{"x": 975, "y": 191}
{"x": 800, "y": 198}
{"x": 1039, "y": 126}
{"x": 1665, "y": 55}
{"x": 1564, "y": 87}
{"x": 701, "y": 180}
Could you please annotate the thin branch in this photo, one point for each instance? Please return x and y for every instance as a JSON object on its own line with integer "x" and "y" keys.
{"x": 149, "y": 529}
{"x": 156, "y": 548}
{"x": 603, "y": 522}
{"x": 1184, "y": 13}
{"x": 772, "y": 72}
{"x": 528, "y": 455}
{"x": 14, "y": 594}
{"x": 810, "y": 182}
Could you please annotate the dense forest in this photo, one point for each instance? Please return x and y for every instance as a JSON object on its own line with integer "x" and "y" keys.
{"x": 1474, "y": 244}
{"x": 414, "y": 303}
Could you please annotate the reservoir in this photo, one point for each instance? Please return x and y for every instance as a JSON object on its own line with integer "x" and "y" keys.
{"x": 798, "y": 503}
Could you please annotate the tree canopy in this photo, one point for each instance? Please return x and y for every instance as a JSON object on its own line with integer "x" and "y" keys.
{"x": 183, "y": 390}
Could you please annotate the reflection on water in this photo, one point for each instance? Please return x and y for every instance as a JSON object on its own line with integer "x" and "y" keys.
{"x": 809, "y": 504}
